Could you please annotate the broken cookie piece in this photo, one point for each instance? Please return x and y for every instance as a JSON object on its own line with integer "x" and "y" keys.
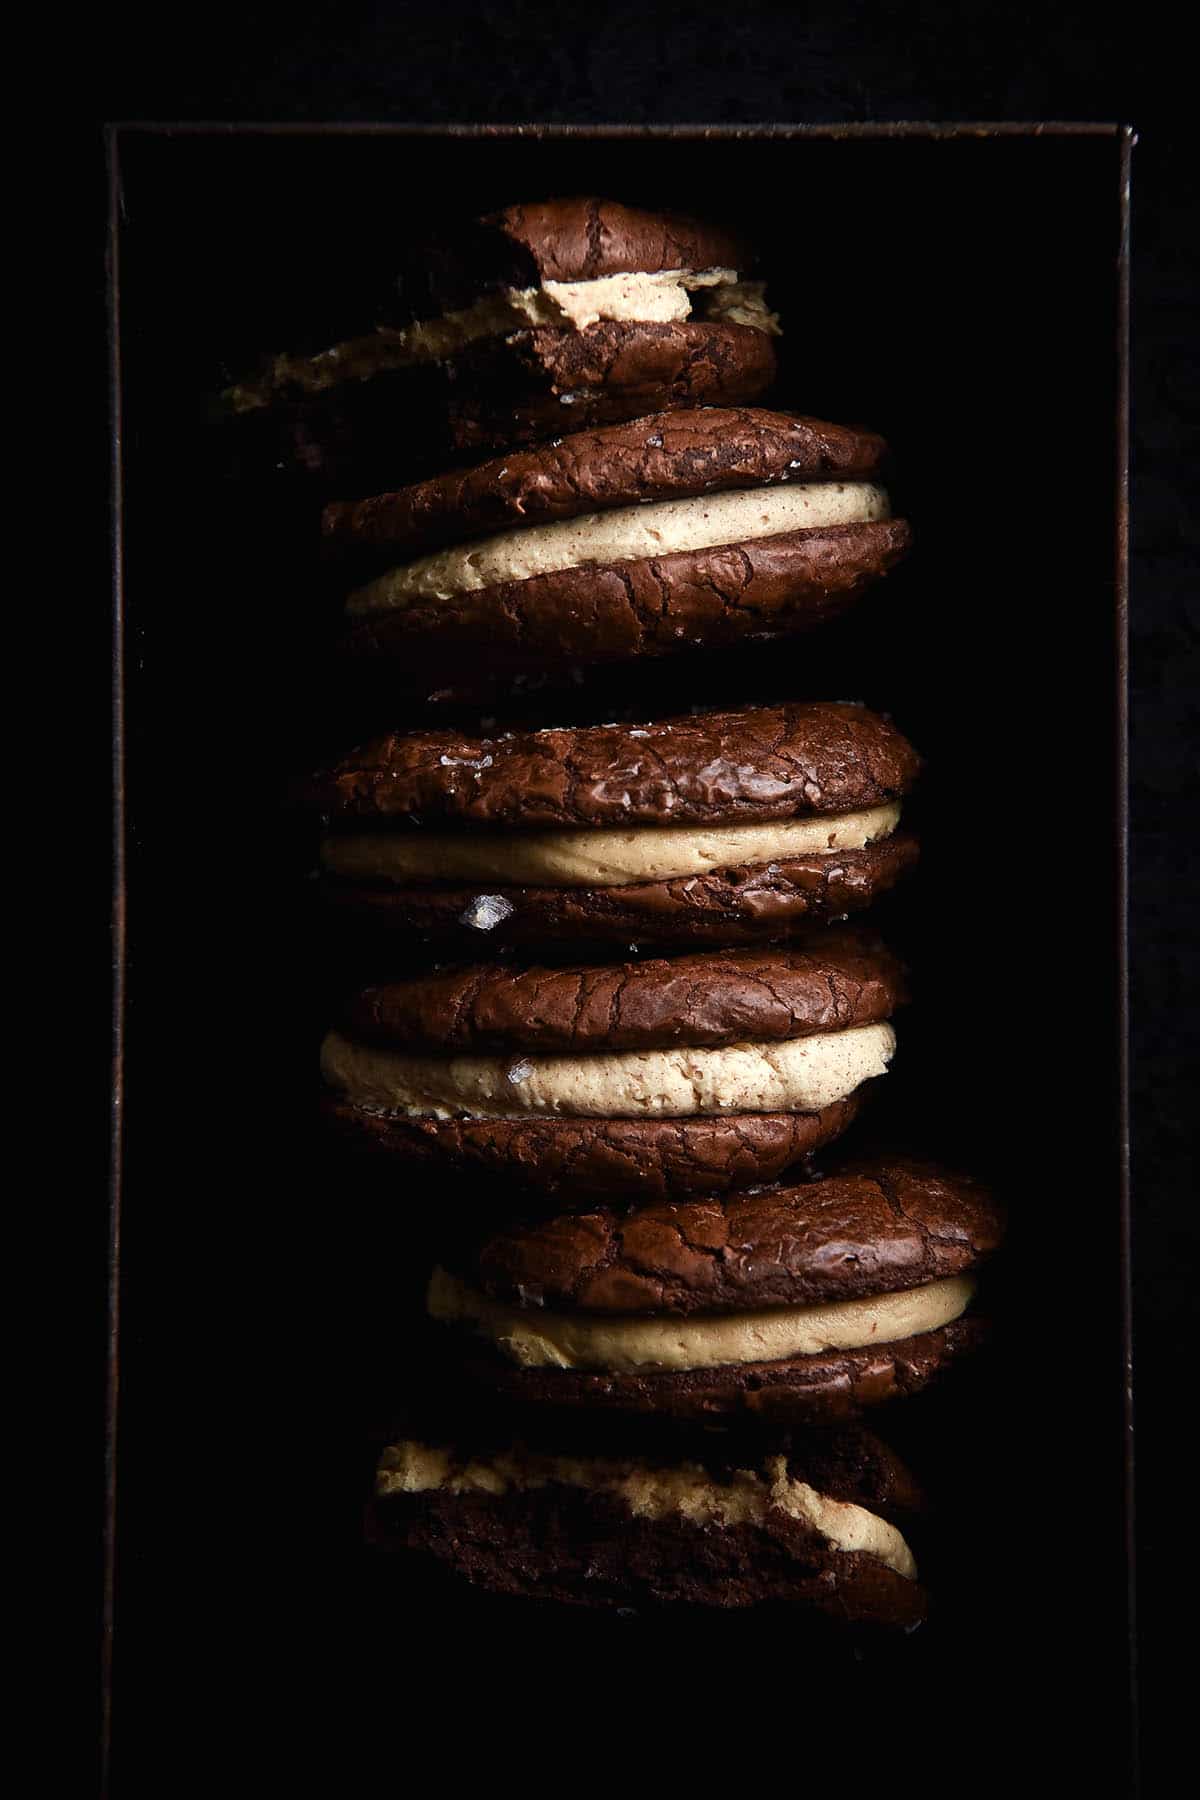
{"x": 515, "y": 327}
{"x": 813, "y": 1520}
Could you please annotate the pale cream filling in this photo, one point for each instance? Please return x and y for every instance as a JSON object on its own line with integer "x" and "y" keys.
{"x": 619, "y": 1345}
{"x": 686, "y": 1492}
{"x": 742, "y": 303}
{"x": 657, "y": 296}
{"x": 627, "y": 533}
{"x": 799, "y": 1075}
{"x": 602, "y": 858}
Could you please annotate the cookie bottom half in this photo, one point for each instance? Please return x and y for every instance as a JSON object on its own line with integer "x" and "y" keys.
{"x": 836, "y": 1384}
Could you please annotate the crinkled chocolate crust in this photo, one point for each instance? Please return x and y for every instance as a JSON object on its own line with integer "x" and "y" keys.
{"x": 800, "y": 1390}
{"x": 661, "y": 456}
{"x": 586, "y": 1549}
{"x": 515, "y": 1164}
{"x": 833, "y": 980}
{"x": 582, "y": 238}
{"x": 749, "y": 904}
{"x": 763, "y": 588}
{"x": 873, "y": 1227}
{"x": 758, "y": 763}
{"x": 579, "y": 238}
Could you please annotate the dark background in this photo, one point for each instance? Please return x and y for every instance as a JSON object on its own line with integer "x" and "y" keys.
{"x": 779, "y": 63}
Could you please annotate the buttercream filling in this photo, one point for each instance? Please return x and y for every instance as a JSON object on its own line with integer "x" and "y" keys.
{"x": 686, "y": 1492}
{"x": 600, "y": 858}
{"x": 643, "y": 296}
{"x": 620, "y": 1345}
{"x": 798, "y": 1075}
{"x": 624, "y": 534}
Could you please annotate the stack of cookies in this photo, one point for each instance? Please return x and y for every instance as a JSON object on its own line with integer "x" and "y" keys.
{"x": 620, "y": 990}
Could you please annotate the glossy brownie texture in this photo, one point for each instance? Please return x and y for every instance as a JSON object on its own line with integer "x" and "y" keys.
{"x": 830, "y": 981}
{"x": 874, "y": 1227}
{"x": 513, "y": 1165}
{"x": 731, "y": 767}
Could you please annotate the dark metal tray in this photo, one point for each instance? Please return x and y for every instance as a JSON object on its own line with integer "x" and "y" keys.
{"x": 964, "y": 290}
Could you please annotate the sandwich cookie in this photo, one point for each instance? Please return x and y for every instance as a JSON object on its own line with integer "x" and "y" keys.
{"x": 644, "y": 1080}
{"x": 677, "y": 529}
{"x": 795, "y": 1302}
{"x": 527, "y": 323}
{"x": 722, "y": 827}
{"x": 816, "y": 1520}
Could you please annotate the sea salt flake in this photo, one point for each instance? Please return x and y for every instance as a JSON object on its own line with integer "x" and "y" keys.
{"x": 518, "y": 1072}
{"x": 486, "y": 911}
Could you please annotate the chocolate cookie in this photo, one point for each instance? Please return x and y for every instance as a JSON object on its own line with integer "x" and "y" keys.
{"x": 728, "y": 827}
{"x": 804, "y": 1301}
{"x": 810, "y": 1520}
{"x": 706, "y": 527}
{"x": 516, "y": 327}
{"x": 644, "y": 1080}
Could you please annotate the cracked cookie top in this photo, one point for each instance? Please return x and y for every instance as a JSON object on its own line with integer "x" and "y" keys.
{"x": 662, "y": 456}
{"x": 882, "y": 1225}
{"x": 578, "y": 237}
{"x": 581, "y": 238}
{"x": 832, "y": 981}
{"x": 766, "y": 762}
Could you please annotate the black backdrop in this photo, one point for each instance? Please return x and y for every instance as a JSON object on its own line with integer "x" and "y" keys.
{"x": 767, "y": 62}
